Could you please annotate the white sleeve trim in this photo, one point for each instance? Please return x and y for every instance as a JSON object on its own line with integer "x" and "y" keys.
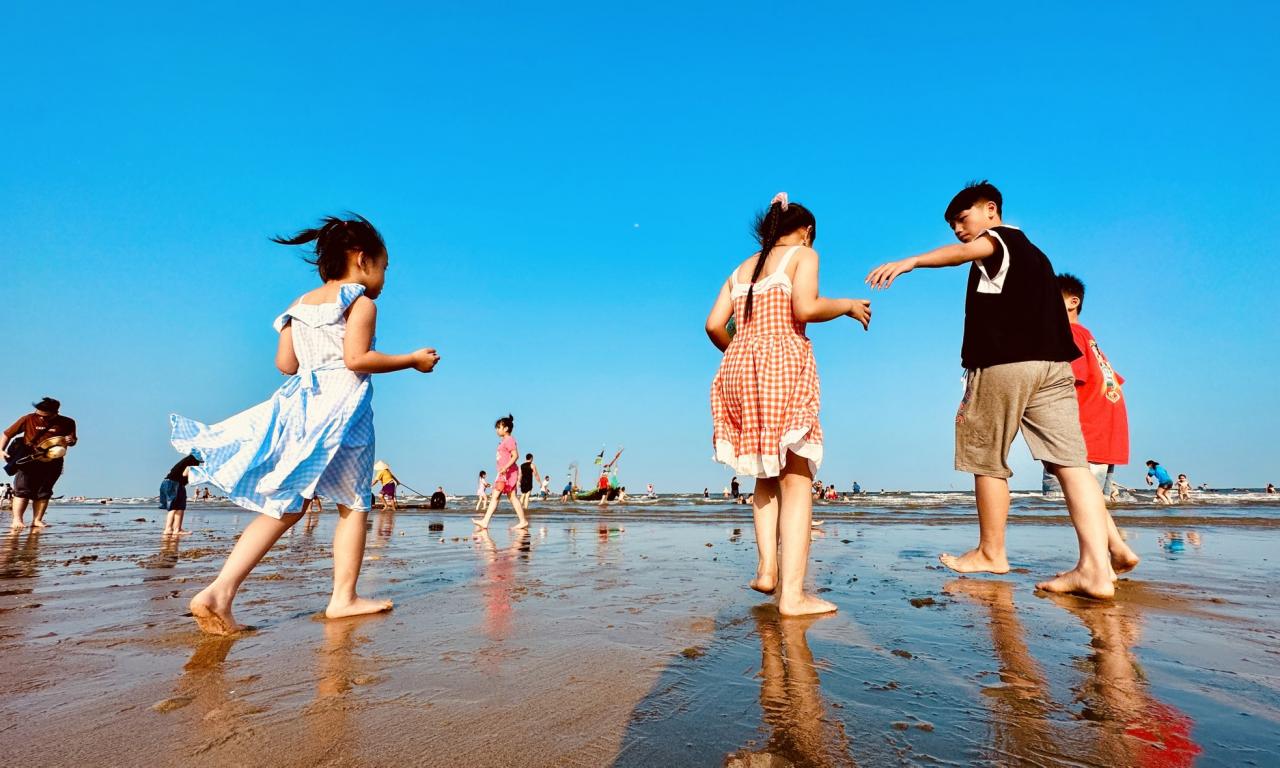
{"x": 987, "y": 283}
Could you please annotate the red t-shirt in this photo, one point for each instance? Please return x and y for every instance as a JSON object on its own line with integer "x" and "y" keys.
{"x": 603, "y": 483}
{"x": 1099, "y": 389}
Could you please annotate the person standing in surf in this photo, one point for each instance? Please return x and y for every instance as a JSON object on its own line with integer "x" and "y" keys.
{"x": 507, "y": 480}
{"x": 33, "y": 450}
{"x": 765, "y": 397}
{"x": 314, "y": 437}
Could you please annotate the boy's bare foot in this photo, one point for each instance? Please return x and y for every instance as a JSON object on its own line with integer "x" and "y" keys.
{"x": 212, "y": 613}
{"x": 357, "y": 607}
{"x": 520, "y": 526}
{"x": 806, "y": 605}
{"x": 974, "y": 561}
{"x": 182, "y": 533}
{"x": 479, "y": 523}
{"x": 17, "y": 525}
{"x": 1078, "y": 582}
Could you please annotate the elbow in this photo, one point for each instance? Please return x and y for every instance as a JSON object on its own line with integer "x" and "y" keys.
{"x": 803, "y": 314}
{"x": 354, "y": 363}
{"x": 287, "y": 368}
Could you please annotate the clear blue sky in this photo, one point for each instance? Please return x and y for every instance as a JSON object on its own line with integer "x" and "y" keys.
{"x": 564, "y": 186}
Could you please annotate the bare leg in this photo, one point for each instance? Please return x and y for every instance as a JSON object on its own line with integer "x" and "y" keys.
{"x": 348, "y": 553}
{"x": 19, "y": 509}
{"x": 177, "y": 522}
{"x": 794, "y": 524}
{"x": 765, "y": 514}
{"x": 168, "y": 523}
{"x": 493, "y": 505}
{"x": 524, "y": 521}
{"x": 1092, "y": 574}
{"x": 39, "y": 506}
{"x": 212, "y": 606}
{"x": 990, "y": 556}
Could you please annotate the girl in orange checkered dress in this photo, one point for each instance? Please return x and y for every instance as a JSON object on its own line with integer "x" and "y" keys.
{"x": 765, "y": 397}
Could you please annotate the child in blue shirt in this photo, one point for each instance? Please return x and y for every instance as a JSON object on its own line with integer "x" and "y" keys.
{"x": 1163, "y": 481}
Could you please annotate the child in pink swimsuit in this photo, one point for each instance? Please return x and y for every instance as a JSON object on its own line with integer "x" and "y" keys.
{"x": 507, "y": 479}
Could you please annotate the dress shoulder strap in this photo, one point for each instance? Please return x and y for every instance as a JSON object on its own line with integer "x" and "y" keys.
{"x": 786, "y": 259}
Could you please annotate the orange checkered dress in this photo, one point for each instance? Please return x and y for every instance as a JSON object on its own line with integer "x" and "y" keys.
{"x": 765, "y": 397}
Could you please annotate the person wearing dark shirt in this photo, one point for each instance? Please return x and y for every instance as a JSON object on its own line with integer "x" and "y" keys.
{"x": 173, "y": 495}
{"x": 1017, "y": 353}
{"x": 32, "y": 450}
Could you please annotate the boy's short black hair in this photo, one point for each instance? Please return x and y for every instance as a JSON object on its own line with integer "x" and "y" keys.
{"x": 1152, "y": 462}
{"x": 973, "y": 193}
{"x": 1070, "y": 285}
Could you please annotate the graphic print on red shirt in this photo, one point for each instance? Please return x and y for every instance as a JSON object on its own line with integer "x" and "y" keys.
{"x": 1100, "y": 392}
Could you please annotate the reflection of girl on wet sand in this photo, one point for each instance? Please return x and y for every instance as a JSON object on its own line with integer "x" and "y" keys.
{"x": 1133, "y": 728}
{"x": 791, "y": 699}
{"x": 498, "y": 580}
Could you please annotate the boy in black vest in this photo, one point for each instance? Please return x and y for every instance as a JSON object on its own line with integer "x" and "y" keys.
{"x": 1017, "y": 352}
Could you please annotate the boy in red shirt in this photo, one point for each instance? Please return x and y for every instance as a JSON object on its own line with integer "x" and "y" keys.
{"x": 1099, "y": 392}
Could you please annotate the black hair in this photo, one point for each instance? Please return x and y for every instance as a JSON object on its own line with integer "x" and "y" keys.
{"x": 1152, "y": 462}
{"x": 48, "y": 405}
{"x": 1070, "y": 285}
{"x": 973, "y": 193}
{"x": 508, "y": 422}
{"x": 334, "y": 238}
{"x": 772, "y": 224}
{"x": 483, "y": 473}
{"x": 528, "y": 457}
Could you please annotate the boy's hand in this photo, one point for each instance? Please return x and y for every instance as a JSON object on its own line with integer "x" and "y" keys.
{"x": 884, "y": 275}
{"x": 424, "y": 360}
{"x": 861, "y": 312}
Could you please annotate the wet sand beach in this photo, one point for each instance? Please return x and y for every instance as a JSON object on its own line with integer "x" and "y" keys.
{"x": 629, "y": 638}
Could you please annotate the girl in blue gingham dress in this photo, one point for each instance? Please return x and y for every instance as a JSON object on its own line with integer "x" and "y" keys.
{"x": 314, "y": 436}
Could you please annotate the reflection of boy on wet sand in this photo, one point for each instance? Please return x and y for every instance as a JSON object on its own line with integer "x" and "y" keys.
{"x": 1134, "y": 727}
{"x": 791, "y": 699}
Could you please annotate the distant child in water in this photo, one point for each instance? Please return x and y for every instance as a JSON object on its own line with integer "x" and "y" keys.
{"x": 314, "y": 437}
{"x": 765, "y": 400}
{"x": 1184, "y": 488}
{"x": 507, "y": 479}
{"x": 1017, "y": 352}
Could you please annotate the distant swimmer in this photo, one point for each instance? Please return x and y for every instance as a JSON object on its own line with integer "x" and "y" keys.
{"x": 1271, "y": 488}
{"x": 1163, "y": 482}
{"x": 857, "y": 489}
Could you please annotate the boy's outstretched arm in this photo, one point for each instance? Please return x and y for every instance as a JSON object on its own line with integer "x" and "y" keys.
{"x": 946, "y": 256}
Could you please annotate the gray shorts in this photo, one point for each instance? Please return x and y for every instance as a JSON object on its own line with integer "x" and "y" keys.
{"x": 1037, "y": 397}
{"x": 1103, "y": 473}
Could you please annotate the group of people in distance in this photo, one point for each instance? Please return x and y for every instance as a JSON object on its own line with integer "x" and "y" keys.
{"x": 1023, "y": 367}
{"x": 314, "y": 436}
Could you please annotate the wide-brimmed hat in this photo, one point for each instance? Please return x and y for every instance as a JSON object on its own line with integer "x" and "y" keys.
{"x": 380, "y": 464}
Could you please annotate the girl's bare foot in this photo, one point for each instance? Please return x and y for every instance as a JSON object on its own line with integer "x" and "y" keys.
{"x": 974, "y": 561}
{"x": 183, "y": 533}
{"x": 766, "y": 580}
{"x": 17, "y": 525}
{"x": 39, "y": 524}
{"x": 520, "y": 526}
{"x": 360, "y": 606}
{"x": 212, "y": 613}
{"x": 1079, "y": 582}
{"x": 806, "y": 605}
{"x": 1124, "y": 561}
{"x": 479, "y": 523}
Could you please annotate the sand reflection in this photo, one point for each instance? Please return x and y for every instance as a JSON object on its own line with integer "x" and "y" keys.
{"x": 801, "y": 732}
{"x": 1131, "y": 727}
{"x": 19, "y": 553}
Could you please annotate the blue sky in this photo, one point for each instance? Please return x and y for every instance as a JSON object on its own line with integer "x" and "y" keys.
{"x": 564, "y": 186}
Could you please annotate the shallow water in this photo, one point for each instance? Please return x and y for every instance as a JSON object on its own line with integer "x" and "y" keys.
{"x": 628, "y": 638}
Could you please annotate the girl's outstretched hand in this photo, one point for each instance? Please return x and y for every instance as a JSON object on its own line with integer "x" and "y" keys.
{"x": 425, "y": 359}
{"x": 884, "y": 275}
{"x": 861, "y": 312}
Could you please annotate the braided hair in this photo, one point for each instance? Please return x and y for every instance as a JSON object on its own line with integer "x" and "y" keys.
{"x": 774, "y": 223}
{"x": 334, "y": 239}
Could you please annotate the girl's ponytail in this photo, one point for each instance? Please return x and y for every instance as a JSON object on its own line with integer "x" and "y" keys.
{"x": 781, "y": 218}
{"x": 334, "y": 238}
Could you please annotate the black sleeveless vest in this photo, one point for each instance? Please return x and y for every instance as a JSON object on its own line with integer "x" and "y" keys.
{"x": 1013, "y": 309}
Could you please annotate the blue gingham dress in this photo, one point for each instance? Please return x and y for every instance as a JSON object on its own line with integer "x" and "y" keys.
{"x": 314, "y": 437}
